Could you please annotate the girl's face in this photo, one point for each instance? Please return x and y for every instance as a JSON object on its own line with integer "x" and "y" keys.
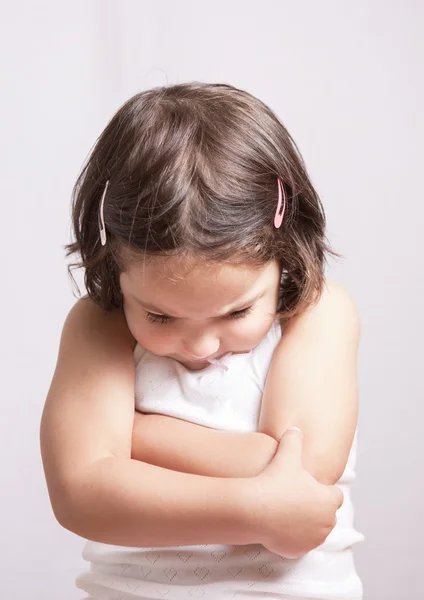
{"x": 200, "y": 312}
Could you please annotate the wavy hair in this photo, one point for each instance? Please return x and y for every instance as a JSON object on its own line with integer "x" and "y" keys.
{"x": 192, "y": 171}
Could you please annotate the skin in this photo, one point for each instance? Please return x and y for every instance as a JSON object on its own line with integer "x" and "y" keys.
{"x": 203, "y": 312}
{"x": 88, "y": 420}
{"x": 311, "y": 382}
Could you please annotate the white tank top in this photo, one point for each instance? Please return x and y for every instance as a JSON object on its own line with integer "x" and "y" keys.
{"x": 228, "y": 400}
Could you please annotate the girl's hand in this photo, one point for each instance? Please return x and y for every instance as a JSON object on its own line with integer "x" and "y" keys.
{"x": 294, "y": 513}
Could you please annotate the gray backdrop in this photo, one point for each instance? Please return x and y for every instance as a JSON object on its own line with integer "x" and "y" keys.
{"x": 346, "y": 78}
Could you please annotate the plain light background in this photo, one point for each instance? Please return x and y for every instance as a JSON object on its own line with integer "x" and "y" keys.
{"x": 346, "y": 78}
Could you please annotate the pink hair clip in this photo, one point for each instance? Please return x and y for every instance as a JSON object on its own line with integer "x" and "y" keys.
{"x": 102, "y": 226}
{"x": 281, "y": 206}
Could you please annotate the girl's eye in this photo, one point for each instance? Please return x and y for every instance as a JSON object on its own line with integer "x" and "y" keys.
{"x": 154, "y": 318}
{"x": 163, "y": 319}
{"x": 239, "y": 314}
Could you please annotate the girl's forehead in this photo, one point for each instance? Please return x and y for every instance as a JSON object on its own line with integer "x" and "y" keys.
{"x": 199, "y": 282}
{"x": 200, "y": 292}
{"x": 173, "y": 273}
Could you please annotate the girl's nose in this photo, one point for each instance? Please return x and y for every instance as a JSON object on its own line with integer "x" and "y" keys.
{"x": 201, "y": 347}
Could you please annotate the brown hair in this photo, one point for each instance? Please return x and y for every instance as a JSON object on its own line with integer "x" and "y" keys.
{"x": 193, "y": 171}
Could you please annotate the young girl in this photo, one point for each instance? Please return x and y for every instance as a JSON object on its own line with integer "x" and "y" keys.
{"x": 203, "y": 243}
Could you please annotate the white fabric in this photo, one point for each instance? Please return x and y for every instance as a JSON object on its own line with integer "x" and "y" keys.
{"x": 227, "y": 400}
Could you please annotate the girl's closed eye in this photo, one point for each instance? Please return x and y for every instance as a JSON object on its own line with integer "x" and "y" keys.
{"x": 163, "y": 319}
{"x": 154, "y": 318}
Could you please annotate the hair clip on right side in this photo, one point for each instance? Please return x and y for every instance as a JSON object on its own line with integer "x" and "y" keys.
{"x": 281, "y": 206}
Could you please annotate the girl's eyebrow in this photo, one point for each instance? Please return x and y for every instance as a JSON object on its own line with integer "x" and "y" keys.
{"x": 150, "y": 307}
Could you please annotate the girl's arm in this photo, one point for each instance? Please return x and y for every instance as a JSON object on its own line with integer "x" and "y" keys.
{"x": 311, "y": 384}
{"x": 95, "y": 489}
{"x": 191, "y": 448}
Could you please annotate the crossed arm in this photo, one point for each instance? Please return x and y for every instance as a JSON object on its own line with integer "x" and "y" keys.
{"x": 91, "y": 448}
{"x": 311, "y": 384}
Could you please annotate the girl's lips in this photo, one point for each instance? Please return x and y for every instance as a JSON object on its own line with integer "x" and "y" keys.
{"x": 207, "y": 360}
{"x": 210, "y": 358}
{"x": 197, "y": 360}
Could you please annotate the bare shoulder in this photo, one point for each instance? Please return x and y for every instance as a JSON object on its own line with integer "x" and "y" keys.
{"x": 336, "y": 310}
{"x": 340, "y": 307}
{"x": 336, "y": 297}
{"x": 87, "y": 316}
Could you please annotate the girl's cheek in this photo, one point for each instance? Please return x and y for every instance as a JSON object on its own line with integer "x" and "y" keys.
{"x": 255, "y": 328}
{"x": 152, "y": 337}
{"x": 137, "y": 326}
{"x": 254, "y": 331}
{"x": 134, "y": 325}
